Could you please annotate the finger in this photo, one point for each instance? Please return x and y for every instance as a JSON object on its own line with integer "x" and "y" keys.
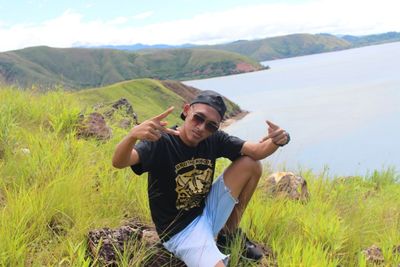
{"x": 152, "y": 137}
{"x": 276, "y": 133}
{"x": 282, "y": 140}
{"x": 164, "y": 114}
{"x": 159, "y": 126}
{"x": 272, "y": 125}
{"x": 171, "y": 131}
{"x": 155, "y": 132}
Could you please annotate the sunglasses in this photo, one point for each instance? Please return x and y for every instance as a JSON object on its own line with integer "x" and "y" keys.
{"x": 210, "y": 126}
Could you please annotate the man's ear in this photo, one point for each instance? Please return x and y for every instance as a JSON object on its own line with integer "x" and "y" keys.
{"x": 186, "y": 108}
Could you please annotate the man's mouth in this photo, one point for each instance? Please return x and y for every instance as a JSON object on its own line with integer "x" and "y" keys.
{"x": 196, "y": 135}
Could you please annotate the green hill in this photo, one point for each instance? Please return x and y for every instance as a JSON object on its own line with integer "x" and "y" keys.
{"x": 372, "y": 39}
{"x": 284, "y": 46}
{"x": 148, "y": 97}
{"x": 77, "y": 68}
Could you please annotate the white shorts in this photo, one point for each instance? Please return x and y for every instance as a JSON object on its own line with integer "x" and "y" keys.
{"x": 195, "y": 245}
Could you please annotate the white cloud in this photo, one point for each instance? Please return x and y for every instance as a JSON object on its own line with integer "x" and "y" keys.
{"x": 119, "y": 21}
{"x": 143, "y": 15}
{"x": 249, "y": 22}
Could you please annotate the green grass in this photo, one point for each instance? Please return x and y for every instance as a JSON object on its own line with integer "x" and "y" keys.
{"x": 53, "y": 194}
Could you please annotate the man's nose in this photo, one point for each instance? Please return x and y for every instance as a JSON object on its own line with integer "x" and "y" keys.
{"x": 202, "y": 126}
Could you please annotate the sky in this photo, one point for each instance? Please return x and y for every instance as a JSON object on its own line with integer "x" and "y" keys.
{"x": 62, "y": 23}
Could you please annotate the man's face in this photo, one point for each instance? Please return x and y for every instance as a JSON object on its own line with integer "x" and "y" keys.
{"x": 201, "y": 121}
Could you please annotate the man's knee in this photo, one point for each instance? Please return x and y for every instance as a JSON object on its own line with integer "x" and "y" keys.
{"x": 251, "y": 165}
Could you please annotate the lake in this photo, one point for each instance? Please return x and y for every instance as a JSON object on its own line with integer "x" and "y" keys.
{"x": 342, "y": 109}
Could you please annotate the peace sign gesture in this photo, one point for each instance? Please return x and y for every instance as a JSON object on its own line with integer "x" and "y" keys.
{"x": 151, "y": 129}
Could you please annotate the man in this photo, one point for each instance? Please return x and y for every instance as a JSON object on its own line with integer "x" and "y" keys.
{"x": 187, "y": 208}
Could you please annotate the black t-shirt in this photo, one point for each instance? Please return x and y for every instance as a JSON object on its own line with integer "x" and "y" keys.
{"x": 180, "y": 176}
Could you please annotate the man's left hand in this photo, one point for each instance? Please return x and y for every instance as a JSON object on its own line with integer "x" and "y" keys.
{"x": 277, "y": 135}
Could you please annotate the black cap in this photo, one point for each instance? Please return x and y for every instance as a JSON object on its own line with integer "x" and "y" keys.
{"x": 212, "y": 99}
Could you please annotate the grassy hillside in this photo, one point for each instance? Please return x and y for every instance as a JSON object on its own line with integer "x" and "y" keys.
{"x": 148, "y": 97}
{"x": 77, "y": 68}
{"x": 54, "y": 188}
{"x": 285, "y": 46}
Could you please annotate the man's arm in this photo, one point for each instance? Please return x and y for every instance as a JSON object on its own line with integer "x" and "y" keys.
{"x": 268, "y": 145}
{"x": 125, "y": 154}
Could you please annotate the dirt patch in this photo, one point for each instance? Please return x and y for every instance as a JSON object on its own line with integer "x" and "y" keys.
{"x": 188, "y": 93}
{"x": 245, "y": 67}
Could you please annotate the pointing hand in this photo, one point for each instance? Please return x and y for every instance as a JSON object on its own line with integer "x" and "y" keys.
{"x": 277, "y": 135}
{"x": 151, "y": 129}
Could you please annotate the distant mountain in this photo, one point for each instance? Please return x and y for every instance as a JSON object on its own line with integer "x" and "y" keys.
{"x": 284, "y": 46}
{"x": 372, "y": 39}
{"x": 78, "y": 68}
{"x": 139, "y": 46}
{"x": 289, "y": 45}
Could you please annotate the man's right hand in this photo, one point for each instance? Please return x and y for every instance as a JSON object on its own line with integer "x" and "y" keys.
{"x": 151, "y": 129}
{"x": 125, "y": 155}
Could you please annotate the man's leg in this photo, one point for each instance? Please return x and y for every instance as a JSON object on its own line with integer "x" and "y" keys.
{"x": 241, "y": 177}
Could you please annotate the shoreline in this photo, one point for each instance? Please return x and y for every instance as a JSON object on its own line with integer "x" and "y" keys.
{"x": 233, "y": 119}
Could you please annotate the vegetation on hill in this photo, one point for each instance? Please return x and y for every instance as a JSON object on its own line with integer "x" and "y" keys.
{"x": 77, "y": 68}
{"x": 285, "y": 46}
{"x": 148, "y": 97}
{"x": 54, "y": 188}
{"x": 372, "y": 39}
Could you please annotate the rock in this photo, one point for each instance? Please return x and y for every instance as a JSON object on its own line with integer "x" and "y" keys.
{"x": 374, "y": 255}
{"x": 25, "y": 151}
{"x": 124, "y": 106}
{"x": 287, "y": 184}
{"x": 150, "y": 237}
{"x": 396, "y": 250}
{"x": 94, "y": 126}
{"x": 125, "y": 123}
{"x": 106, "y": 244}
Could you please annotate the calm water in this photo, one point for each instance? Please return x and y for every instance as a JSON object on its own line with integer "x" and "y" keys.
{"x": 342, "y": 109}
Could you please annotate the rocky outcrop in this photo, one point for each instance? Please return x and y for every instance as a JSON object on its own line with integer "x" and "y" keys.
{"x": 287, "y": 184}
{"x": 94, "y": 126}
{"x": 374, "y": 255}
{"x": 125, "y": 108}
{"x": 106, "y": 244}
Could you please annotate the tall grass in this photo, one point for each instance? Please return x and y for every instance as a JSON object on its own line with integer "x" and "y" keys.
{"x": 54, "y": 188}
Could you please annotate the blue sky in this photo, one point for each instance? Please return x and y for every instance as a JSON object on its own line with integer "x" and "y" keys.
{"x": 72, "y": 23}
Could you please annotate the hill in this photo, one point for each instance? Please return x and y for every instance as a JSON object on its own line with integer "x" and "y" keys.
{"x": 285, "y": 46}
{"x": 289, "y": 45}
{"x": 76, "y": 68}
{"x": 372, "y": 39}
{"x": 148, "y": 97}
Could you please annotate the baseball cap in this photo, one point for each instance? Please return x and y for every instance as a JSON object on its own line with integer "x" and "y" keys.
{"x": 212, "y": 99}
